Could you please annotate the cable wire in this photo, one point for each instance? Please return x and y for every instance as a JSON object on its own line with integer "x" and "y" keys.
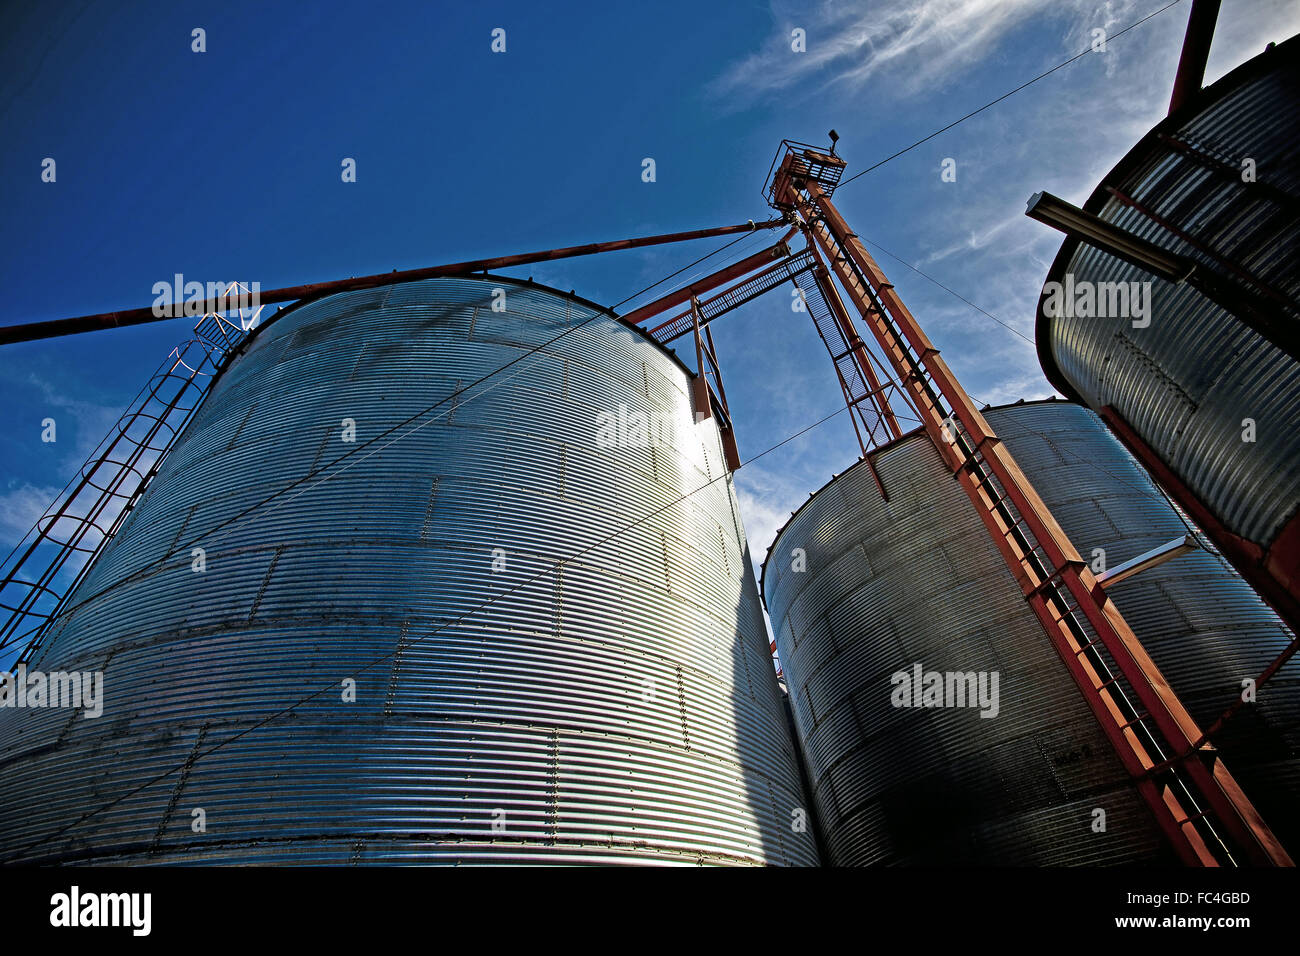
{"x": 930, "y": 278}
{"x": 1143, "y": 493}
{"x": 1022, "y": 86}
{"x": 325, "y": 469}
{"x": 1146, "y": 494}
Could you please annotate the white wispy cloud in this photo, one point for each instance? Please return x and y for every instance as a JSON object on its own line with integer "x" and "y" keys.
{"x": 905, "y": 48}
{"x": 918, "y": 40}
{"x": 1062, "y": 134}
{"x": 768, "y": 495}
{"x": 91, "y": 420}
{"x": 21, "y": 504}
{"x": 971, "y": 235}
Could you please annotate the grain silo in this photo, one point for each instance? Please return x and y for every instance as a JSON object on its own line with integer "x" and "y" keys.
{"x": 557, "y": 656}
{"x": 1203, "y": 383}
{"x": 861, "y": 589}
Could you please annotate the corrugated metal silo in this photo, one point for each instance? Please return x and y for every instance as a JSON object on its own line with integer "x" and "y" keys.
{"x": 1218, "y": 183}
{"x": 916, "y": 579}
{"x": 526, "y": 690}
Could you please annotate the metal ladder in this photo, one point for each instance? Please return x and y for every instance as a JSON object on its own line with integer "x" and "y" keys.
{"x": 53, "y": 557}
{"x": 1193, "y": 797}
{"x": 709, "y": 309}
{"x": 864, "y": 387}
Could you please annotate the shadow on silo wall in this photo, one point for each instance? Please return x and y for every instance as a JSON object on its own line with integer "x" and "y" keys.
{"x": 916, "y": 580}
{"x": 499, "y": 714}
{"x": 1206, "y": 629}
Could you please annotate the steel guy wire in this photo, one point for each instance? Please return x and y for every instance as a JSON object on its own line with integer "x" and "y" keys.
{"x": 994, "y": 102}
{"x": 325, "y": 469}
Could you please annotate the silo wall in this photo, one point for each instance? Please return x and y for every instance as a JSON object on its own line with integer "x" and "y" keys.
{"x": 887, "y": 585}
{"x": 1208, "y": 399}
{"x": 432, "y": 620}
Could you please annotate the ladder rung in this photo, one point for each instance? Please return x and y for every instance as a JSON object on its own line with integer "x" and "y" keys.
{"x": 1203, "y": 815}
{"x": 1179, "y": 799}
{"x": 1136, "y": 720}
{"x": 1014, "y": 525}
{"x": 1092, "y": 643}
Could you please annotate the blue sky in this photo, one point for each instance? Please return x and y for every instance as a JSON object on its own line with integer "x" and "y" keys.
{"x": 226, "y": 165}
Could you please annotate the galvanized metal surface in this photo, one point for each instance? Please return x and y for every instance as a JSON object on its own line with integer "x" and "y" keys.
{"x": 85, "y": 515}
{"x": 619, "y": 708}
{"x": 917, "y": 580}
{"x": 1187, "y": 381}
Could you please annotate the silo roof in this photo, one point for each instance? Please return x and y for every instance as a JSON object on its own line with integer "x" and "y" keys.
{"x": 1154, "y": 167}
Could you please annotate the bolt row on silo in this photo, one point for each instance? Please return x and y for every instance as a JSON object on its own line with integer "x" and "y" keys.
{"x": 1207, "y": 399}
{"x": 861, "y": 589}
{"x": 530, "y": 685}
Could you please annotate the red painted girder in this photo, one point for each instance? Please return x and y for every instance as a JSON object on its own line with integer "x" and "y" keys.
{"x": 28, "y": 331}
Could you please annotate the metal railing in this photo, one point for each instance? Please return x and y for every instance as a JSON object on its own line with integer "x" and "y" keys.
{"x": 53, "y": 557}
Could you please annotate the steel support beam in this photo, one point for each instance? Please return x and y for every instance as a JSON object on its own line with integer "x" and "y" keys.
{"x": 1230, "y": 173}
{"x": 700, "y": 286}
{"x": 1240, "y": 271}
{"x": 1274, "y": 572}
{"x": 1148, "y": 559}
{"x": 861, "y": 356}
{"x": 29, "y": 331}
{"x": 1252, "y": 309}
{"x": 1055, "y": 581}
{"x": 719, "y": 305}
{"x": 1196, "y": 50}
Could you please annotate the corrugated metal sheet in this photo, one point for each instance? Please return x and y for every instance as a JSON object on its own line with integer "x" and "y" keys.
{"x": 1186, "y": 382}
{"x": 917, "y": 579}
{"x": 619, "y": 708}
